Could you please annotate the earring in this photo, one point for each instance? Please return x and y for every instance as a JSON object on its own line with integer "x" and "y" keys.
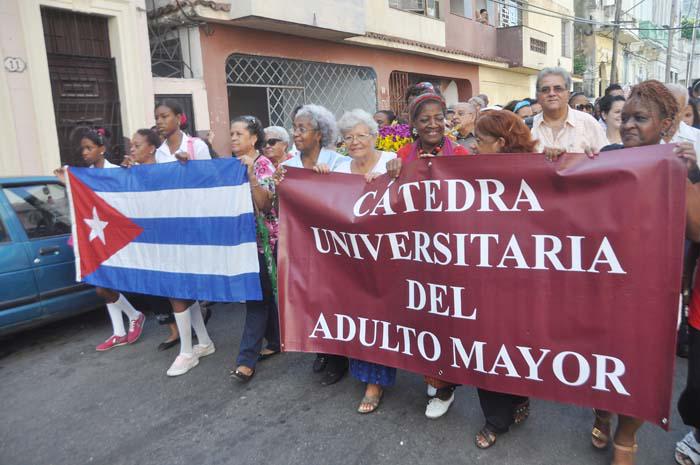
{"x": 414, "y": 133}
{"x": 102, "y": 153}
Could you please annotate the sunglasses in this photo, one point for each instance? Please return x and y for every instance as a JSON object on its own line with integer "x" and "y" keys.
{"x": 271, "y": 142}
{"x": 585, "y": 107}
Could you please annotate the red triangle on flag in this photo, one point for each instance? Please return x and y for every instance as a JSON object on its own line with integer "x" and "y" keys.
{"x": 101, "y": 229}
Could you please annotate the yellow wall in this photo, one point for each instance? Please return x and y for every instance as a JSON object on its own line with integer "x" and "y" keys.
{"x": 548, "y": 29}
{"x": 502, "y": 86}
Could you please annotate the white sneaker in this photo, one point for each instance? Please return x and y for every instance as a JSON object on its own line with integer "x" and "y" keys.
{"x": 432, "y": 391}
{"x": 201, "y": 350}
{"x": 182, "y": 364}
{"x": 437, "y": 408}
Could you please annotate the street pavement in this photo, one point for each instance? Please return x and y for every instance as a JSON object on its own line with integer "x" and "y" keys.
{"x": 64, "y": 403}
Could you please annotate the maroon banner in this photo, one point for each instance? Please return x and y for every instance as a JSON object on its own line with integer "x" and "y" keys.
{"x": 507, "y": 272}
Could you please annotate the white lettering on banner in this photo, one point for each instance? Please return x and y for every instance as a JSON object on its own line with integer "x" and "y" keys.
{"x": 461, "y": 196}
{"x": 482, "y": 250}
{"x": 480, "y": 357}
{"x": 417, "y": 299}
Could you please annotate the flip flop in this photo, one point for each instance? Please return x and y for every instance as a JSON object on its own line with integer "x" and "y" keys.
{"x": 372, "y": 401}
{"x": 242, "y": 377}
{"x": 262, "y": 356}
{"x": 487, "y": 435}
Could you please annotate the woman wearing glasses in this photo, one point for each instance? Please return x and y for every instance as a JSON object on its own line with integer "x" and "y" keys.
{"x": 359, "y": 132}
{"x": 276, "y": 146}
{"x": 579, "y": 101}
{"x": 314, "y": 131}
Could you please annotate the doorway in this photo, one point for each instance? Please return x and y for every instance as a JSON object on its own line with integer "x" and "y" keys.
{"x": 83, "y": 82}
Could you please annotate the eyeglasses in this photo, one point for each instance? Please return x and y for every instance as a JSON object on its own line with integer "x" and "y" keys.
{"x": 301, "y": 130}
{"x": 360, "y": 137}
{"x": 584, "y": 107}
{"x": 556, "y": 89}
{"x": 271, "y": 142}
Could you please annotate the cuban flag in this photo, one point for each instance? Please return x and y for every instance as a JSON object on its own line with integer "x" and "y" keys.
{"x": 177, "y": 230}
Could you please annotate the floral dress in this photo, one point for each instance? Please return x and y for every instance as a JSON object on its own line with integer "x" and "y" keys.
{"x": 264, "y": 170}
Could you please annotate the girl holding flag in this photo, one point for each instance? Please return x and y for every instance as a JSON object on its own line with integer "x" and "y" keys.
{"x": 92, "y": 149}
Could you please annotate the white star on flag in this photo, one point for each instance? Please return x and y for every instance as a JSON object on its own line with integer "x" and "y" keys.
{"x": 97, "y": 227}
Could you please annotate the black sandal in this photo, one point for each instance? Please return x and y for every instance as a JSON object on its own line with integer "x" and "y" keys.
{"x": 488, "y": 437}
{"x": 242, "y": 377}
{"x": 521, "y": 412}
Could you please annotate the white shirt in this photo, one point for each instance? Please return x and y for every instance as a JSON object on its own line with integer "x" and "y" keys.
{"x": 326, "y": 157}
{"x": 380, "y": 167}
{"x": 201, "y": 151}
{"x": 580, "y": 130}
{"x": 687, "y": 133}
{"x": 107, "y": 165}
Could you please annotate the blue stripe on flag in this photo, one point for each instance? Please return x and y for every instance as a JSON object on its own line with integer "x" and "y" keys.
{"x": 198, "y": 231}
{"x": 215, "y": 288}
{"x": 175, "y": 175}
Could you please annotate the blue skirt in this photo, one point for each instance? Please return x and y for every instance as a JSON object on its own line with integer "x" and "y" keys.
{"x": 372, "y": 373}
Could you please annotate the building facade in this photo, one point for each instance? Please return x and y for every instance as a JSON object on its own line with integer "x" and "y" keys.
{"x": 643, "y": 44}
{"x": 67, "y": 65}
{"x": 77, "y": 64}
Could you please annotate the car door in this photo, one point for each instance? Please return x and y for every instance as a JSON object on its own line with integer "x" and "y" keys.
{"x": 43, "y": 211}
{"x": 19, "y": 295}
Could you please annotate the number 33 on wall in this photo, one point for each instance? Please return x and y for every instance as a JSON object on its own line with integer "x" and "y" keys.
{"x": 14, "y": 64}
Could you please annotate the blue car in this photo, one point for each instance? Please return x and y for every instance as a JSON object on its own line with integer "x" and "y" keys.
{"x": 37, "y": 265}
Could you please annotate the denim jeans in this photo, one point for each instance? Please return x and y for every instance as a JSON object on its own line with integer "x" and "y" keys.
{"x": 261, "y": 320}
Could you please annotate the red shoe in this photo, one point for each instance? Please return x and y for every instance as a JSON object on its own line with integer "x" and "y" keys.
{"x": 135, "y": 329}
{"x": 113, "y": 341}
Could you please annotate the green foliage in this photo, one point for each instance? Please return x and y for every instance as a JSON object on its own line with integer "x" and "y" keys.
{"x": 579, "y": 64}
{"x": 687, "y": 25}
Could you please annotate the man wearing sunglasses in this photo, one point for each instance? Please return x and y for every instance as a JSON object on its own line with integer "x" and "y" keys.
{"x": 560, "y": 128}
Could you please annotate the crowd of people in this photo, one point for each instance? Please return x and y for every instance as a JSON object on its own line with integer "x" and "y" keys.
{"x": 555, "y": 122}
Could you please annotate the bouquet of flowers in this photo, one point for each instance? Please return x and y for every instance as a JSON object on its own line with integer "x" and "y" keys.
{"x": 392, "y": 138}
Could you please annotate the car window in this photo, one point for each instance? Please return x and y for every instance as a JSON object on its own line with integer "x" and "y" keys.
{"x": 4, "y": 236}
{"x": 41, "y": 208}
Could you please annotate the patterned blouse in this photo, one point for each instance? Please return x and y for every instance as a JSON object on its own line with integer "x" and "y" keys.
{"x": 264, "y": 169}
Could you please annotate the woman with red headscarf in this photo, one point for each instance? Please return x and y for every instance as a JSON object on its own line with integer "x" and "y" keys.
{"x": 427, "y": 118}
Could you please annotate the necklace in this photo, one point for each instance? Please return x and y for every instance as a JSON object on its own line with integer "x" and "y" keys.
{"x": 436, "y": 150}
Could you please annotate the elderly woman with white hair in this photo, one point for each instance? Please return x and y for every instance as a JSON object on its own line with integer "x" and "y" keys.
{"x": 276, "y": 146}
{"x": 359, "y": 132}
{"x": 315, "y": 133}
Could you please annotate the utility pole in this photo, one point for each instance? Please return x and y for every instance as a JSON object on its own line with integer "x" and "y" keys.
{"x": 689, "y": 74}
{"x": 616, "y": 42}
{"x": 669, "y": 51}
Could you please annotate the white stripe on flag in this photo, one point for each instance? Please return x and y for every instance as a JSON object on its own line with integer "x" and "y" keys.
{"x": 194, "y": 259}
{"x": 182, "y": 203}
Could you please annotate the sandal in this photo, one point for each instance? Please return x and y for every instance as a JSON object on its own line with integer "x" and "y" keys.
{"x": 600, "y": 435}
{"x": 265, "y": 355}
{"x": 521, "y": 412}
{"x": 242, "y": 377}
{"x": 626, "y": 452}
{"x": 371, "y": 401}
{"x": 485, "y": 438}
{"x": 688, "y": 450}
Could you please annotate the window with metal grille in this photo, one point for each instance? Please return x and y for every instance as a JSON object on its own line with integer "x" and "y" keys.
{"x": 539, "y": 46}
{"x": 290, "y": 83}
{"x": 508, "y": 14}
{"x": 430, "y": 8}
